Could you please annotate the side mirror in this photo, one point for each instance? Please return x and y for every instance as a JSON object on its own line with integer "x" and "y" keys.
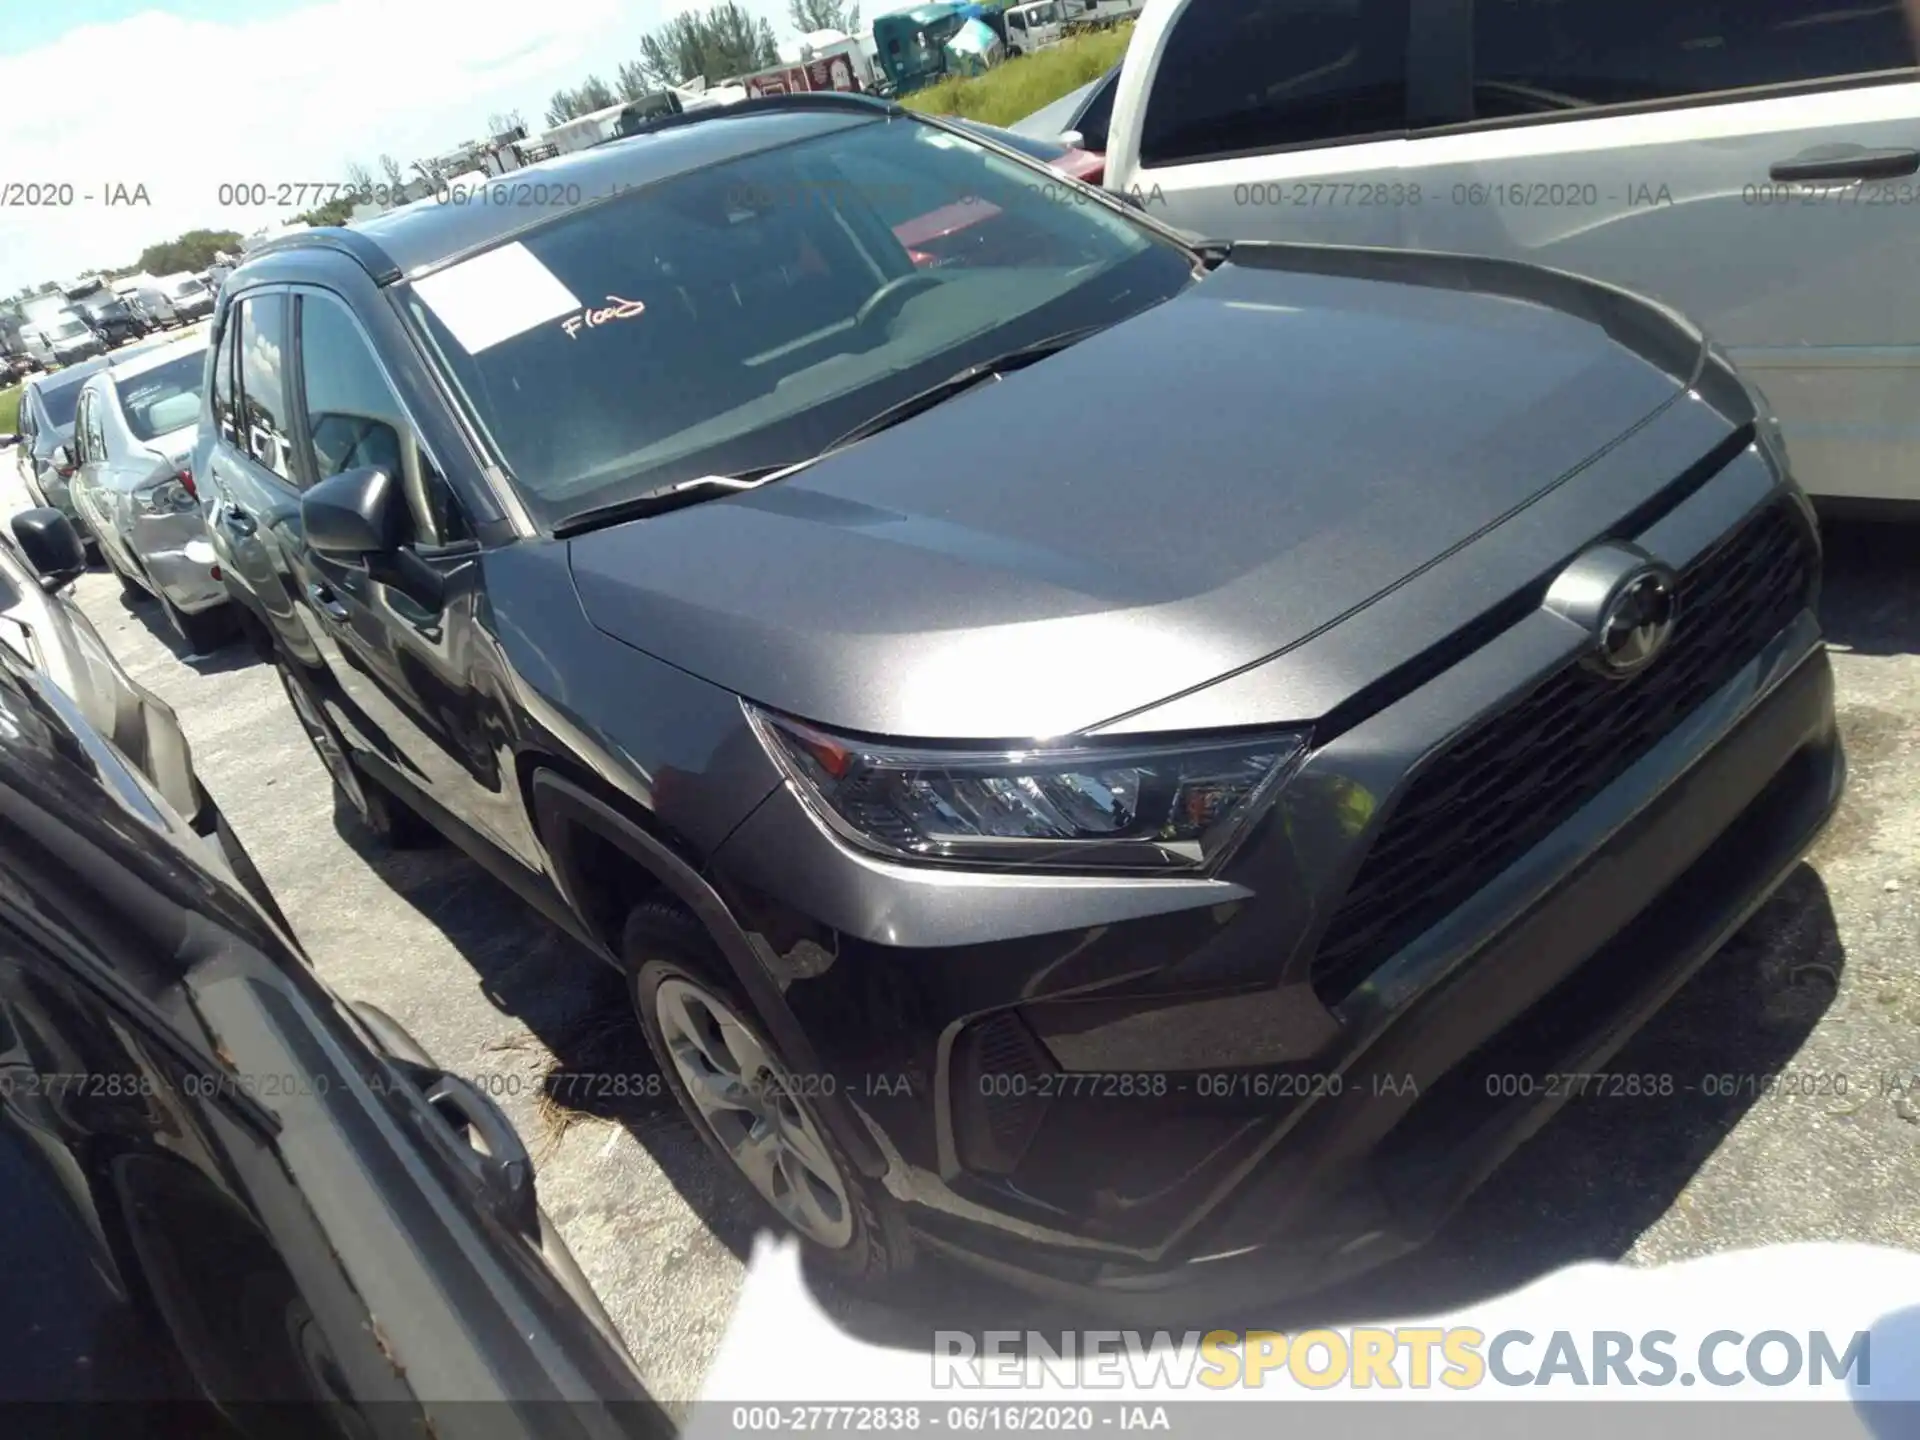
{"x": 8, "y": 440}
{"x": 62, "y": 459}
{"x": 1073, "y": 138}
{"x": 52, "y": 546}
{"x": 354, "y": 514}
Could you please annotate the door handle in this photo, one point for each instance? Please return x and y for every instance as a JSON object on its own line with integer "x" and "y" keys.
{"x": 237, "y": 520}
{"x": 328, "y": 603}
{"x": 1847, "y": 162}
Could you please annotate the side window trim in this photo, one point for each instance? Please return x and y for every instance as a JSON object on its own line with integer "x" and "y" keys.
{"x": 1785, "y": 90}
{"x": 281, "y": 293}
{"x": 303, "y": 434}
{"x": 226, "y": 343}
{"x": 1752, "y": 95}
{"x": 1422, "y": 75}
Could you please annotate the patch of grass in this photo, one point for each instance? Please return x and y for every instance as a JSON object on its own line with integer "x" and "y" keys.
{"x": 9, "y": 410}
{"x": 1016, "y": 89}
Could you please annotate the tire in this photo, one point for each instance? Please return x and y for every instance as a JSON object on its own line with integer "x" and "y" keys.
{"x": 846, "y": 1221}
{"x": 391, "y": 820}
{"x": 202, "y": 632}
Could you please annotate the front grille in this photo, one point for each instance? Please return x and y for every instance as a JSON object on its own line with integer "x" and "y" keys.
{"x": 1503, "y": 786}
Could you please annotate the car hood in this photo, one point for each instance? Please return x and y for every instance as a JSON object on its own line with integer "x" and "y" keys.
{"x": 1179, "y": 497}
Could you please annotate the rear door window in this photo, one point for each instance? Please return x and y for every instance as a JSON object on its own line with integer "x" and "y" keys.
{"x": 263, "y": 402}
{"x": 223, "y": 400}
{"x": 1533, "y": 57}
{"x": 1241, "y": 76}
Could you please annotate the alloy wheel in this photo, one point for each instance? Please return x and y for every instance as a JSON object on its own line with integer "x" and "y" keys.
{"x": 747, "y": 1100}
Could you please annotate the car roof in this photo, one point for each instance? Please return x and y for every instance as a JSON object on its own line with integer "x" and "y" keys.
{"x": 428, "y": 233}
{"x": 139, "y": 359}
{"x": 68, "y": 374}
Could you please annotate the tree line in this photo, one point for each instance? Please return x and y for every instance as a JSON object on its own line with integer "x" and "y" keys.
{"x": 717, "y": 44}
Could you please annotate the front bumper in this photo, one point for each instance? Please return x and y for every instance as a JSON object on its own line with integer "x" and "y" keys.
{"x": 1102, "y": 1082}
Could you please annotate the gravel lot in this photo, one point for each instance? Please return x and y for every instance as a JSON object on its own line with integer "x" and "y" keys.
{"x": 1821, "y": 983}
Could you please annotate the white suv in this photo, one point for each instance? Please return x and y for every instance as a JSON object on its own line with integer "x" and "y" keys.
{"x": 1750, "y": 162}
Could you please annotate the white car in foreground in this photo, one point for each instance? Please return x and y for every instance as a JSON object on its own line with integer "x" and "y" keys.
{"x": 1755, "y": 165}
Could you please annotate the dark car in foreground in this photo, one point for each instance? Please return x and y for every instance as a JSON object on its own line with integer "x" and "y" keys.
{"x": 41, "y": 626}
{"x": 1089, "y": 754}
{"x": 236, "y": 1206}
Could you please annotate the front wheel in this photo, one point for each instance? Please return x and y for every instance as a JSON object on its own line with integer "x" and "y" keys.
{"x": 748, "y": 1105}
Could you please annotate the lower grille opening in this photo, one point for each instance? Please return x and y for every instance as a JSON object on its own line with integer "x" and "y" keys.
{"x": 997, "y": 1106}
{"x": 1503, "y": 786}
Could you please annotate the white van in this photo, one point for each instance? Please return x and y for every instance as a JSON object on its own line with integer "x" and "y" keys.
{"x": 1035, "y": 26}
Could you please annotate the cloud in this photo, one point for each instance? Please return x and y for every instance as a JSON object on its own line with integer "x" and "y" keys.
{"x": 182, "y": 107}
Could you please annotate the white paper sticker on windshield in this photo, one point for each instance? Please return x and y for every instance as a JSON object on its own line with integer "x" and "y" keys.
{"x": 495, "y": 296}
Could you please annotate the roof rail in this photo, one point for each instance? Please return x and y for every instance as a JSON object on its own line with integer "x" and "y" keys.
{"x": 760, "y": 104}
{"x": 359, "y": 247}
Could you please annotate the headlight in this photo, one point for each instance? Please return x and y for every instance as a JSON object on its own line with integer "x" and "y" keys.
{"x": 1162, "y": 808}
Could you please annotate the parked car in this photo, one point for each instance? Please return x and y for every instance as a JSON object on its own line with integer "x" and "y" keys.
{"x": 1079, "y": 118}
{"x": 66, "y": 339}
{"x": 1068, "y": 750}
{"x": 1753, "y": 166}
{"x": 43, "y": 446}
{"x": 115, "y": 320}
{"x": 1055, "y": 154}
{"x": 143, "y": 293}
{"x": 190, "y": 296}
{"x": 133, "y": 446}
{"x": 236, "y": 1205}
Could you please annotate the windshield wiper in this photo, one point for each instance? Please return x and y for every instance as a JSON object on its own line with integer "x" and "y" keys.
{"x": 961, "y": 381}
{"x": 711, "y": 487}
{"x": 671, "y": 497}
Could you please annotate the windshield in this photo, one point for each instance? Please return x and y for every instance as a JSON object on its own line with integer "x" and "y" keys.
{"x": 165, "y": 398}
{"x": 61, "y": 401}
{"x": 185, "y": 289}
{"x": 749, "y": 313}
{"x": 65, "y": 329}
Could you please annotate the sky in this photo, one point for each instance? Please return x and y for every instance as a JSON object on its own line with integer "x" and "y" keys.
{"x": 178, "y": 97}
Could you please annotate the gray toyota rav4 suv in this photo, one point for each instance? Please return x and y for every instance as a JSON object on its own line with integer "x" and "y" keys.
{"x": 1092, "y": 750}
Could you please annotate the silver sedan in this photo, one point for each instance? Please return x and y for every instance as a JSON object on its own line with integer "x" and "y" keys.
{"x": 133, "y": 444}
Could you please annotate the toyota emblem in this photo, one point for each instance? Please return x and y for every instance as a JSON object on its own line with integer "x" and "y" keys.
{"x": 1624, "y": 600}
